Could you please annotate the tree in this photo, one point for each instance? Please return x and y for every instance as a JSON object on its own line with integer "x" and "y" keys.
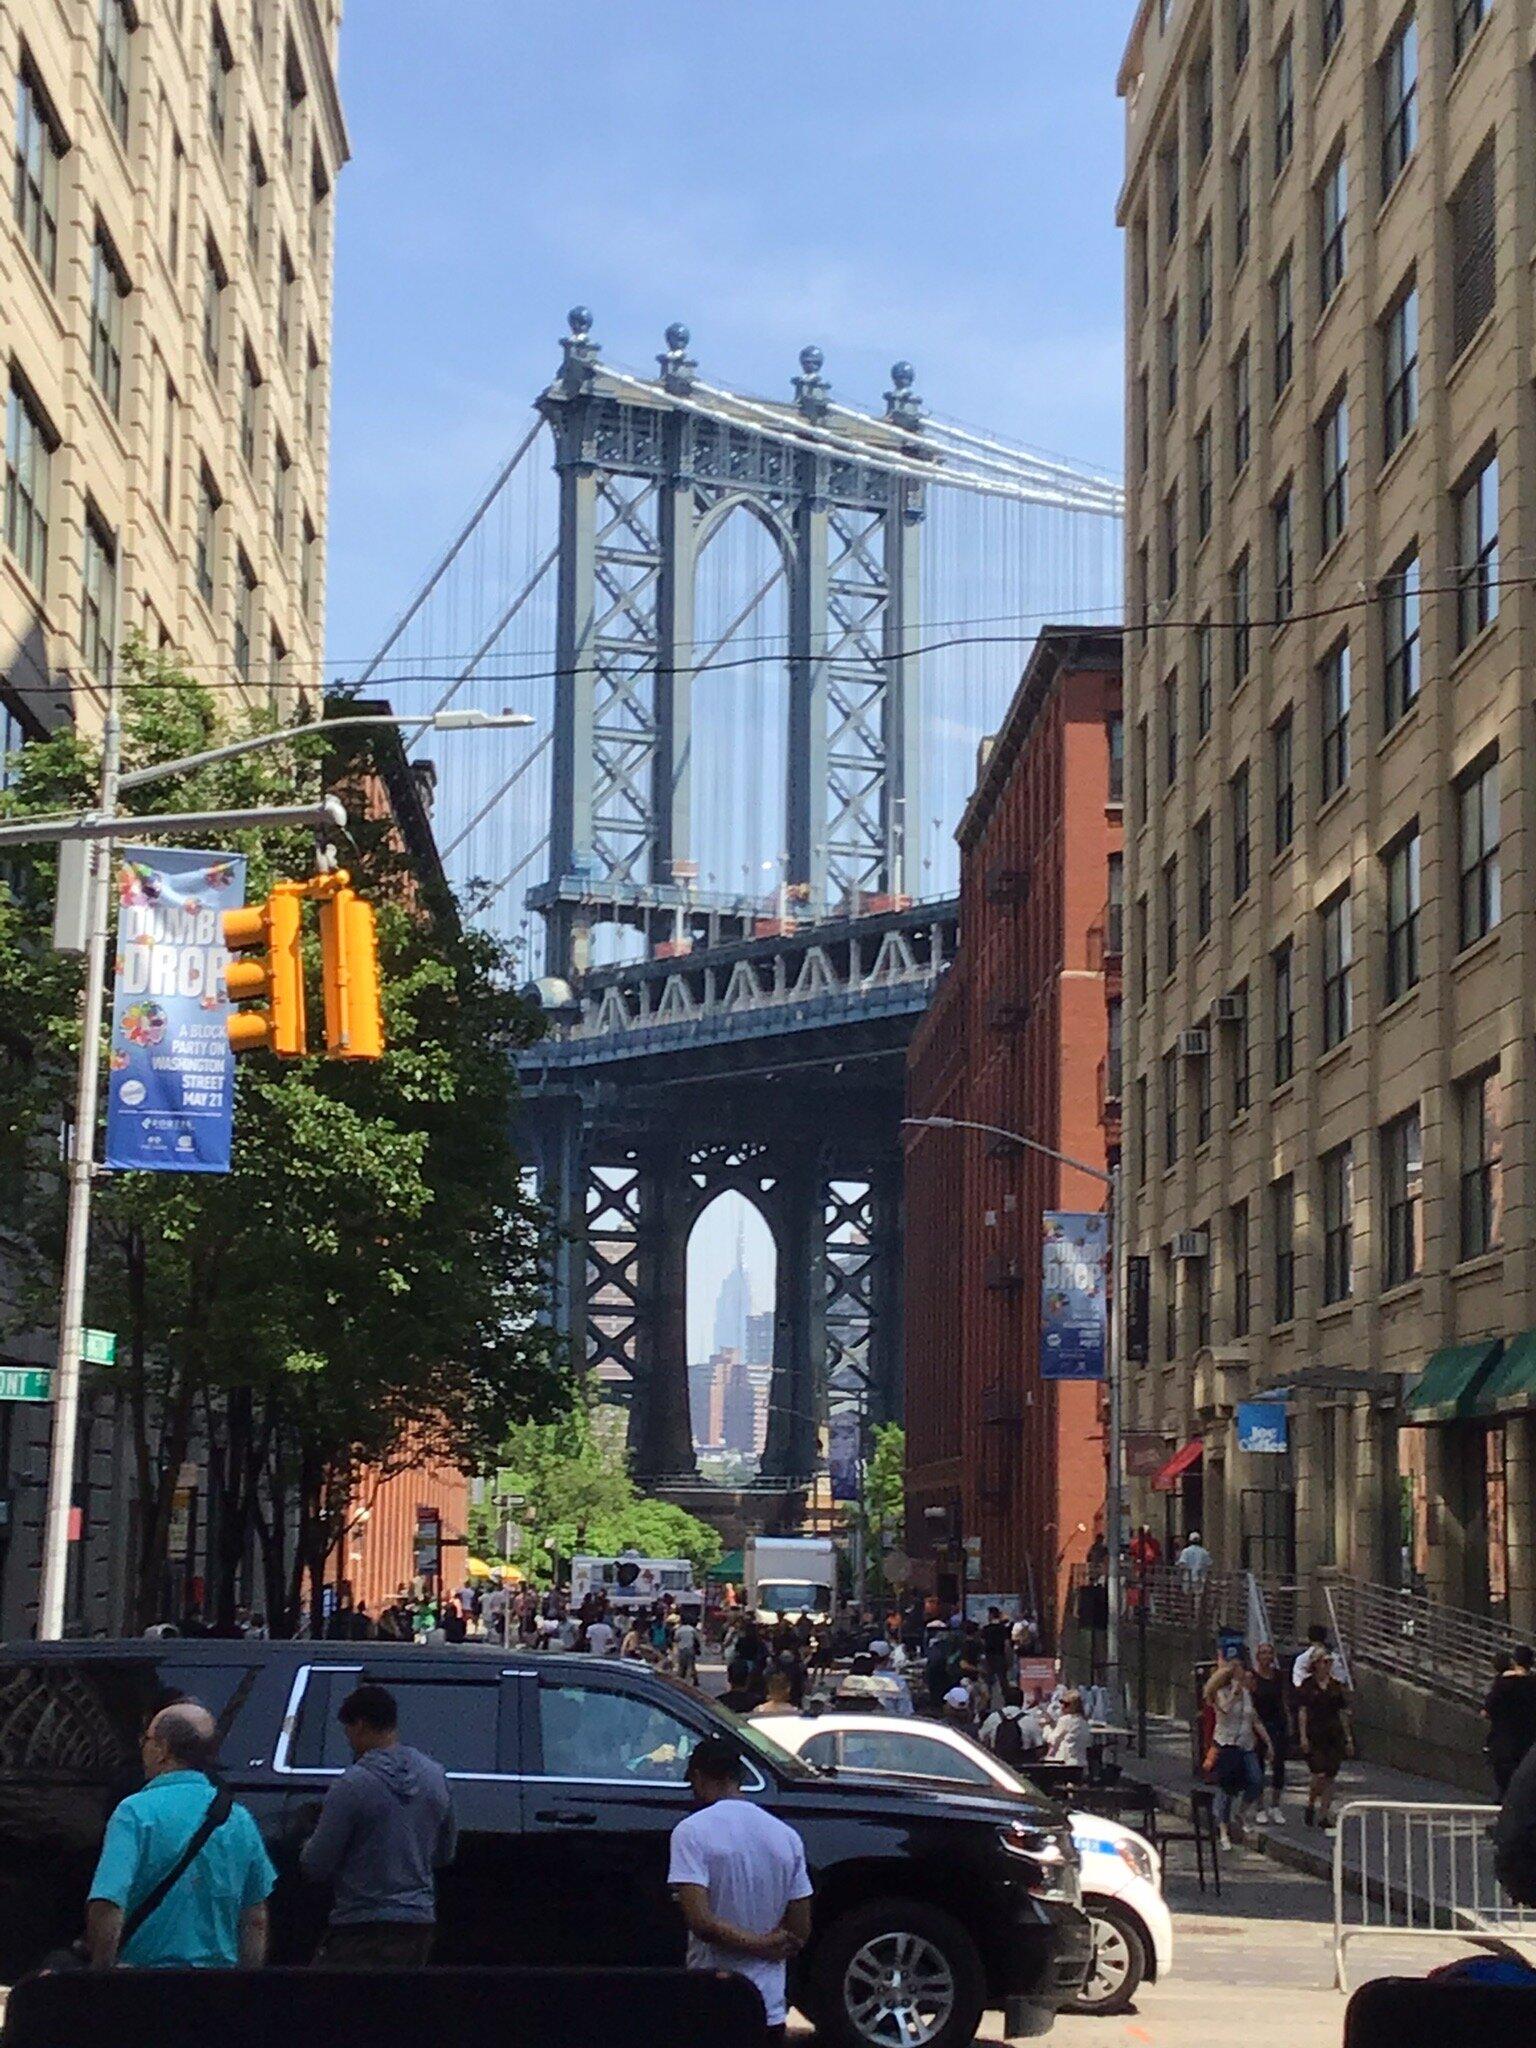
{"x": 368, "y": 1284}
{"x": 882, "y": 1512}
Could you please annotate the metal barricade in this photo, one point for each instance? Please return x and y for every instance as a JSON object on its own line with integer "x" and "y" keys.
{"x": 1404, "y": 1872}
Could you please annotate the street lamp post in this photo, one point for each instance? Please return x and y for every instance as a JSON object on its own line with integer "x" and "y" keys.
{"x": 1114, "y": 1507}
{"x": 99, "y": 828}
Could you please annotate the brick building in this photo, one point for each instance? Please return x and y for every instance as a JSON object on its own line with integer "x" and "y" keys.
{"x": 1024, "y": 1034}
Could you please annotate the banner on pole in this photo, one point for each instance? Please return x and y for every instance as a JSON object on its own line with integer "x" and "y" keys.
{"x": 1073, "y": 1295}
{"x": 170, "y": 1088}
{"x": 843, "y": 1454}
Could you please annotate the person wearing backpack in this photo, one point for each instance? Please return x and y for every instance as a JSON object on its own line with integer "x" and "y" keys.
{"x": 183, "y": 1878}
{"x": 1014, "y": 1733}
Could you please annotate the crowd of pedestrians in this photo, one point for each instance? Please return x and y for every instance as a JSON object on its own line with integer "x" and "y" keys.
{"x": 1262, "y": 1716}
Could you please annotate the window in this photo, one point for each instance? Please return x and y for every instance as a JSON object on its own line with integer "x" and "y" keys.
{"x": 1205, "y": 657}
{"x": 1203, "y": 877}
{"x": 1472, "y": 247}
{"x": 245, "y": 615}
{"x": 277, "y": 656}
{"x": 1170, "y": 1107}
{"x": 1282, "y": 1224}
{"x": 1283, "y": 750}
{"x": 29, "y": 448}
{"x": 1285, "y": 556}
{"x": 1197, "y": 1273}
{"x": 1400, "y": 639}
{"x": 175, "y": 181}
{"x": 250, "y": 386}
{"x": 1477, "y": 805}
{"x": 1171, "y": 357}
{"x": 1332, "y": 26}
{"x": 1142, "y": 751}
{"x": 168, "y": 417}
{"x": 1242, "y": 412}
{"x": 1141, "y": 277}
{"x": 1338, "y": 959}
{"x": 1242, "y": 33}
{"x": 1333, "y": 678}
{"x": 220, "y": 63}
{"x": 112, "y": 54}
{"x": 1242, "y": 1048}
{"x": 1242, "y": 1279}
{"x": 1170, "y": 1304}
{"x": 98, "y": 595}
{"x": 1477, "y": 551}
{"x": 1114, "y": 1053}
{"x": 1285, "y": 105}
{"x": 1333, "y": 209}
{"x": 1171, "y": 728}
{"x": 1238, "y": 584}
{"x": 293, "y": 103}
{"x": 1143, "y": 592}
{"x": 1333, "y": 472}
{"x": 1403, "y": 899}
{"x": 1143, "y": 949}
{"x": 1399, "y": 74}
{"x": 1242, "y": 834}
{"x": 1338, "y": 1224}
{"x": 1205, "y": 108}
{"x": 35, "y": 186}
{"x": 1205, "y": 1075}
{"x": 1114, "y": 727}
{"x": 1402, "y": 1177}
{"x": 1170, "y": 173}
{"x": 589, "y": 1732}
{"x": 109, "y": 287}
{"x": 1171, "y": 544}
{"x": 1284, "y": 322}
{"x": 1170, "y": 917}
{"x": 1400, "y": 370}
{"x": 1205, "y": 284}
{"x": 319, "y": 201}
{"x": 208, "y": 502}
{"x": 453, "y": 1720}
{"x": 282, "y": 464}
{"x": 1142, "y": 1166}
{"x": 906, "y": 1752}
{"x": 1285, "y": 1013}
{"x": 215, "y": 277}
{"x": 1143, "y": 424}
{"x": 308, "y": 563}
{"x": 1466, "y": 19}
{"x": 1480, "y": 1113}
{"x": 1203, "y": 479}
{"x": 1242, "y": 200}
{"x": 286, "y": 280}
{"x": 256, "y": 178}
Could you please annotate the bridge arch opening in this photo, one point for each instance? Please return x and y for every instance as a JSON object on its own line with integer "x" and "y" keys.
{"x": 740, "y": 706}
{"x": 732, "y": 1290}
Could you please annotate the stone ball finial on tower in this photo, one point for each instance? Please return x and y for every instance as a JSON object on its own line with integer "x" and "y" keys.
{"x": 812, "y": 391}
{"x": 902, "y": 405}
{"x": 578, "y": 350}
{"x": 579, "y": 320}
{"x": 811, "y": 360}
{"x": 678, "y": 336}
{"x": 677, "y": 366}
{"x": 903, "y": 376}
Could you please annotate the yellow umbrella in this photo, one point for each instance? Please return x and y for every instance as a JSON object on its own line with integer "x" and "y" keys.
{"x": 477, "y": 1568}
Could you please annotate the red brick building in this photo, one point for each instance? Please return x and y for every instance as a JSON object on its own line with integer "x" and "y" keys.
{"x": 1024, "y": 1034}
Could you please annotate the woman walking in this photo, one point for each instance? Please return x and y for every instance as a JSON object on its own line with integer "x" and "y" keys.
{"x": 1510, "y": 1711}
{"x": 1326, "y": 1734}
{"x": 1271, "y": 1704}
{"x": 1240, "y": 1741}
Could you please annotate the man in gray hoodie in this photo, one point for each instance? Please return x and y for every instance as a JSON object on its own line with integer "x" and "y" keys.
{"x": 387, "y": 1825}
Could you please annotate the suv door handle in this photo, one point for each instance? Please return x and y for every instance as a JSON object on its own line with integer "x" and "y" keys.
{"x": 566, "y": 1817}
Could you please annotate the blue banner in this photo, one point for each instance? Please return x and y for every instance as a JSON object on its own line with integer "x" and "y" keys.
{"x": 170, "y": 1089}
{"x": 1264, "y": 1427}
{"x": 1073, "y": 1295}
{"x": 843, "y": 1455}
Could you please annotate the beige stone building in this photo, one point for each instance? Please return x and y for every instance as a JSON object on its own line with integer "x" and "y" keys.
{"x": 165, "y": 322}
{"x": 1330, "y": 225}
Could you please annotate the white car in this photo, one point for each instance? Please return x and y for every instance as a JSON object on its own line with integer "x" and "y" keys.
{"x": 1121, "y": 1874}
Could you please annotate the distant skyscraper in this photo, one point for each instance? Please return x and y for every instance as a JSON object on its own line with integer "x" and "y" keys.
{"x": 758, "y": 1349}
{"x": 733, "y": 1304}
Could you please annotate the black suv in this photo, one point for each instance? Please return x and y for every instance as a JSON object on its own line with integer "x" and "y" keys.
{"x": 567, "y": 1776}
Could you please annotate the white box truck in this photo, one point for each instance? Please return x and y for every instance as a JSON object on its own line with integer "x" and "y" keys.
{"x": 791, "y": 1575}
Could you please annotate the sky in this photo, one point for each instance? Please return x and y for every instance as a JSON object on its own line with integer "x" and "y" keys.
{"x": 929, "y": 179}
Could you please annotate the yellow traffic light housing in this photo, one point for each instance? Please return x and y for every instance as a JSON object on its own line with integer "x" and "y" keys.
{"x": 270, "y": 933}
{"x": 349, "y": 952}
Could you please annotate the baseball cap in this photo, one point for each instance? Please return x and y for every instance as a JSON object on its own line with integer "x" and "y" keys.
{"x": 957, "y": 1696}
{"x": 880, "y": 1647}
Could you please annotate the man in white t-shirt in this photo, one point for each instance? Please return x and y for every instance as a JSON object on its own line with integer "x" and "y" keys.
{"x": 740, "y": 1881}
{"x": 602, "y": 1640}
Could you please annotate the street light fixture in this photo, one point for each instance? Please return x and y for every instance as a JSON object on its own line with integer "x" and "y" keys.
{"x": 82, "y": 1156}
{"x": 1114, "y": 1505}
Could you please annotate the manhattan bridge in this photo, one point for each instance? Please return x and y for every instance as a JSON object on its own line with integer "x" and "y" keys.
{"x": 761, "y": 642}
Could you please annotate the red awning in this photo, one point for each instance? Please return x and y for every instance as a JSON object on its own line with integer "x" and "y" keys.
{"x": 1181, "y": 1462}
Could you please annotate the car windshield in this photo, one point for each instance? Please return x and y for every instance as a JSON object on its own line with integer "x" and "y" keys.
{"x": 792, "y": 1596}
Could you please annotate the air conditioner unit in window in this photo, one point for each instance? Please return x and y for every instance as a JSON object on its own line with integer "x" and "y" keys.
{"x": 1192, "y": 1244}
{"x": 1195, "y": 1043}
{"x": 1227, "y": 1010}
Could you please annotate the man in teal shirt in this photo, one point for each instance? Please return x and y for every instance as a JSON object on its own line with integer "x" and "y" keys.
{"x": 215, "y": 1915}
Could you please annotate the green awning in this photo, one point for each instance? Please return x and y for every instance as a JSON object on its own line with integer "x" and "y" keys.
{"x": 1511, "y": 1386}
{"x": 1447, "y": 1388}
{"x": 730, "y": 1570}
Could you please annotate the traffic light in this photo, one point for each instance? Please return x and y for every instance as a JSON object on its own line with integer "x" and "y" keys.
{"x": 349, "y": 953}
{"x": 270, "y": 934}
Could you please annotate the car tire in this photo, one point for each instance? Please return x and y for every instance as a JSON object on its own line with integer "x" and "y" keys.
{"x": 897, "y": 1973}
{"x": 1119, "y": 1960}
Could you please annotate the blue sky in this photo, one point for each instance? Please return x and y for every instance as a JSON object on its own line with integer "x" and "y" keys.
{"x": 931, "y": 180}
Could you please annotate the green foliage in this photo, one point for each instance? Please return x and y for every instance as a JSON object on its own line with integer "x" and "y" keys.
{"x": 885, "y": 1480}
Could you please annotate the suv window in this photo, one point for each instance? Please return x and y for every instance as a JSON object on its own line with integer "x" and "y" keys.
{"x": 915, "y": 1755}
{"x": 586, "y": 1731}
{"x": 821, "y": 1750}
{"x": 451, "y": 1720}
{"x": 82, "y": 1721}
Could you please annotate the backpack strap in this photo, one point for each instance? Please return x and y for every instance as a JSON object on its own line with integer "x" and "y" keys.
{"x": 220, "y": 1808}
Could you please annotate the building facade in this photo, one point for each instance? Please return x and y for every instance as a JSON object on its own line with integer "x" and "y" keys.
{"x": 165, "y": 329}
{"x": 1331, "y": 425}
{"x": 1005, "y": 1471}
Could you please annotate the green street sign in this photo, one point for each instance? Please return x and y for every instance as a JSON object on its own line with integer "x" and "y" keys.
{"x": 25, "y": 1383}
{"x": 98, "y": 1347}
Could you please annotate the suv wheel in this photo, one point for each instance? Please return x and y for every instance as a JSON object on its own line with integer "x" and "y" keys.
{"x": 897, "y": 1974}
{"x": 1119, "y": 1960}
